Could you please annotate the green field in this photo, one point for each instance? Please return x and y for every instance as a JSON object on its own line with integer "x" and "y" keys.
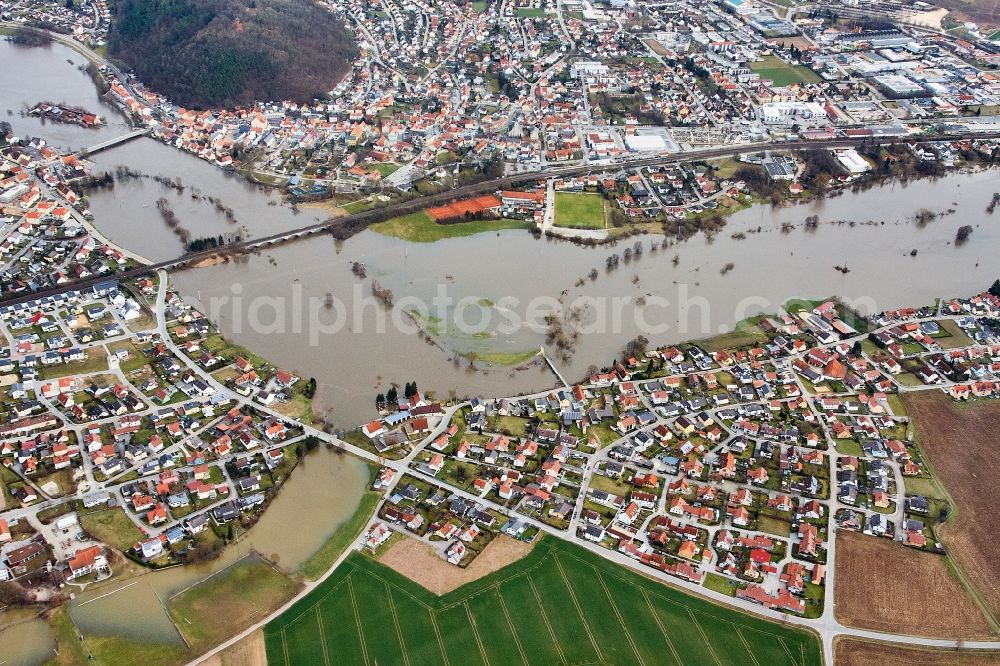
{"x": 727, "y": 168}
{"x": 559, "y": 605}
{"x": 420, "y": 228}
{"x": 385, "y": 168}
{"x": 746, "y": 333}
{"x": 359, "y": 206}
{"x": 781, "y": 73}
{"x": 506, "y": 359}
{"x": 112, "y": 527}
{"x": 530, "y": 12}
{"x": 248, "y": 588}
{"x": 96, "y": 360}
{"x": 952, "y": 335}
{"x": 580, "y": 211}
{"x": 795, "y": 305}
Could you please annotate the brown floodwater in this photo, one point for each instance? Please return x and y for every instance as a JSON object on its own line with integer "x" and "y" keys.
{"x": 676, "y": 293}
{"x": 322, "y": 493}
{"x": 870, "y": 233}
{"x": 42, "y": 74}
{"x": 128, "y": 213}
{"x": 24, "y": 642}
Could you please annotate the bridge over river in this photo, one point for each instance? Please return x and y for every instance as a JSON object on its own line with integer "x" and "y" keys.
{"x": 118, "y": 140}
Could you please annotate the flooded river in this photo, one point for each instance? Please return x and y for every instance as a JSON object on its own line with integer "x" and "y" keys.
{"x": 517, "y": 273}
{"x": 24, "y": 640}
{"x": 674, "y": 294}
{"x": 322, "y": 493}
{"x": 128, "y": 215}
{"x": 44, "y": 74}
{"x": 335, "y": 335}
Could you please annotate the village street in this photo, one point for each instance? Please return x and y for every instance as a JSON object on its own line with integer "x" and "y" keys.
{"x": 585, "y": 465}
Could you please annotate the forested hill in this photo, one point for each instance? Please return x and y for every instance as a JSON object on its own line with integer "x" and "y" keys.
{"x": 214, "y": 53}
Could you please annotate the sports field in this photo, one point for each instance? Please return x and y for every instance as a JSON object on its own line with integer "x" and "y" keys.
{"x": 579, "y": 210}
{"x": 782, "y": 73}
{"x": 421, "y": 228}
{"x": 559, "y": 605}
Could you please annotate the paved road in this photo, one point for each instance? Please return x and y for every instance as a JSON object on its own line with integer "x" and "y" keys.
{"x": 827, "y": 626}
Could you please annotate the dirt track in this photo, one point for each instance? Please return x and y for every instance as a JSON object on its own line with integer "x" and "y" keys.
{"x": 857, "y": 652}
{"x": 418, "y": 562}
{"x": 248, "y": 652}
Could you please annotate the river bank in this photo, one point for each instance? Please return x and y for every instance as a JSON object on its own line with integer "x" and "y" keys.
{"x": 171, "y": 615}
{"x": 54, "y": 72}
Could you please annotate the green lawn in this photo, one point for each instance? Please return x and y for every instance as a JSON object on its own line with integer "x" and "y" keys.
{"x": 115, "y": 650}
{"x": 530, "y": 12}
{"x": 923, "y": 485}
{"x": 721, "y": 584}
{"x": 746, "y": 333}
{"x": 604, "y": 433}
{"x": 95, "y": 360}
{"x": 896, "y": 404}
{"x": 69, "y": 649}
{"x": 609, "y": 485}
{"x": 727, "y": 168}
{"x": 795, "y": 305}
{"x": 420, "y": 228}
{"x": 782, "y": 73}
{"x": 870, "y": 348}
{"x": 247, "y": 590}
{"x": 514, "y": 425}
{"x": 359, "y": 206}
{"x": 849, "y": 447}
{"x": 7, "y": 478}
{"x": 502, "y": 358}
{"x": 220, "y": 346}
{"x": 952, "y": 336}
{"x": 385, "y": 168}
{"x": 136, "y": 359}
{"x": 111, "y": 526}
{"x": 908, "y": 379}
{"x": 560, "y": 604}
{"x": 299, "y": 407}
{"x": 580, "y": 210}
{"x": 773, "y": 526}
{"x": 49, "y": 515}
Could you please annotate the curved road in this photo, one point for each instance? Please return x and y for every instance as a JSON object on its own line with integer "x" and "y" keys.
{"x": 826, "y": 626}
